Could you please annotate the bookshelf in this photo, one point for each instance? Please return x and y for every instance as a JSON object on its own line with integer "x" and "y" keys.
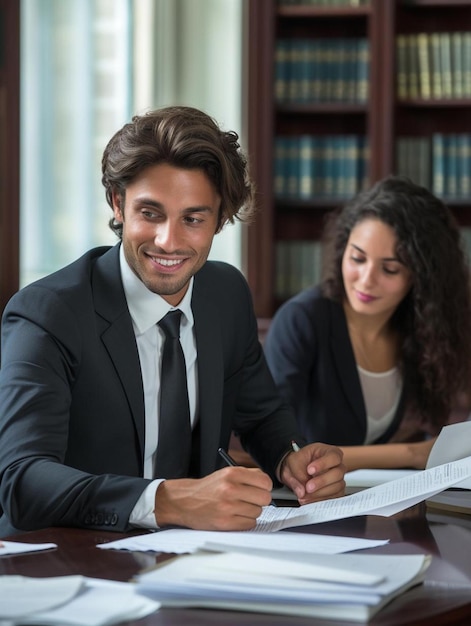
{"x": 9, "y": 148}
{"x": 324, "y": 122}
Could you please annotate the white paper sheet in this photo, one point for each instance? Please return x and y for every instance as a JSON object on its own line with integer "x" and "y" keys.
{"x": 453, "y": 442}
{"x": 181, "y": 541}
{"x": 386, "y": 499}
{"x": 15, "y": 547}
{"x": 22, "y": 595}
{"x": 70, "y": 601}
{"x": 364, "y": 478}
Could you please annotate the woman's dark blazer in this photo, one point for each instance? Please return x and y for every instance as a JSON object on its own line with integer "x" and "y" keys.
{"x": 310, "y": 355}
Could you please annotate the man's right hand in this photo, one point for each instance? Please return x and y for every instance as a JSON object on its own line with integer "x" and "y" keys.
{"x": 229, "y": 499}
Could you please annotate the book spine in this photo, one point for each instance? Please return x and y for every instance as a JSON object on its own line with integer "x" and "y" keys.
{"x": 445, "y": 51}
{"x": 424, "y": 65}
{"x": 363, "y": 69}
{"x": 281, "y": 70}
{"x": 280, "y": 166}
{"x": 451, "y": 166}
{"x": 306, "y": 183}
{"x": 466, "y": 62}
{"x": 435, "y": 56}
{"x": 401, "y": 73}
{"x": 457, "y": 64}
{"x": 438, "y": 179}
{"x": 413, "y": 66}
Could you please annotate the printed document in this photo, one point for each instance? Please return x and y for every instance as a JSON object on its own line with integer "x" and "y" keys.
{"x": 385, "y": 499}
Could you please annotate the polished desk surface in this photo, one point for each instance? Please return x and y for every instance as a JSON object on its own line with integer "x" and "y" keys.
{"x": 444, "y": 598}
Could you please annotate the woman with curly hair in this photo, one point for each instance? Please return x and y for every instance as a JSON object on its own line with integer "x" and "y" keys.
{"x": 379, "y": 352}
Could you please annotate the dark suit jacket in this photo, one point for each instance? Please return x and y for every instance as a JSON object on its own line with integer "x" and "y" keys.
{"x": 310, "y": 355}
{"x": 71, "y": 395}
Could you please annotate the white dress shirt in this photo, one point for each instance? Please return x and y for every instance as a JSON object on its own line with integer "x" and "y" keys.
{"x": 147, "y": 309}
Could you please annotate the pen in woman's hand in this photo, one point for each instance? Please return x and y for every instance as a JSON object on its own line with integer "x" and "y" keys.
{"x": 230, "y": 461}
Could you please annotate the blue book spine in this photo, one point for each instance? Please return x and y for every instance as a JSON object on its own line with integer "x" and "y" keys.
{"x": 281, "y": 166}
{"x": 281, "y": 70}
{"x": 438, "y": 164}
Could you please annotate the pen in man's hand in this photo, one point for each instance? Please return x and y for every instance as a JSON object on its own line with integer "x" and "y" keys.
{"x": 295, "y": 446}
{"x": 230, "y": 461}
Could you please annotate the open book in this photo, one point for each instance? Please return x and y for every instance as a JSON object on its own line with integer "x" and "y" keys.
{"x": 342, "y": 586}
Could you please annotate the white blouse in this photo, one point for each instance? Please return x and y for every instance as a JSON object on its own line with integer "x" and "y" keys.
{"x": 381, "y": 393}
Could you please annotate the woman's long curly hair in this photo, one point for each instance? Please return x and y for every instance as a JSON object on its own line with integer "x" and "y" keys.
{"x": 434, "y": 319}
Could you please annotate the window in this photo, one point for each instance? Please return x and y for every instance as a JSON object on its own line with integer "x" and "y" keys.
{"x": 86, "y": 67}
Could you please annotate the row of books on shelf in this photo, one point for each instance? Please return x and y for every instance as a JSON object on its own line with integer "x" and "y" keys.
{"x": 441, "y": 163}
{"x": 329, "y": 166}
{"x": 322, "y": 70}
{"x": 298, "y": 264}
{"x": 326, "y": 3}
{"x": 434, "y": 65}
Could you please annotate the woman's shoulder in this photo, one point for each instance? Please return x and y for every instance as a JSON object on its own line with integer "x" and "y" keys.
{"x": 311, "y": 301}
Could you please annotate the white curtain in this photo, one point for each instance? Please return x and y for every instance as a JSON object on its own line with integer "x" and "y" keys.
{"x": 196, "y": 51}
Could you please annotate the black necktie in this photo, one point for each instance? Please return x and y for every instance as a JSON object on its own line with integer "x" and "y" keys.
{"x": 174, "y": 445}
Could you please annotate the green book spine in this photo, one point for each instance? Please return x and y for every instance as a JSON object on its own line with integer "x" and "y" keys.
{"x": 466, "y": 61}
{"x": 435, "y": 55}
{"x": 413, "y": 66}
{"x": 401, "y": 67}
{"x": 457, "y": 64}
{"x": 424, "y": 66}
{"x": 445, "y": 51}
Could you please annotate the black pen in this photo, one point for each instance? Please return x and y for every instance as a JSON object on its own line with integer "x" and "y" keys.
{"x": 230, "y": 461}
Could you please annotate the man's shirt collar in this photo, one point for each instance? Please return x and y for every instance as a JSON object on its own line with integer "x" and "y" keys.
{"x": 148, "y": 308}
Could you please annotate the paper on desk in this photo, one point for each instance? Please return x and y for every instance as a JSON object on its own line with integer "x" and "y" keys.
{"x": 22, "y": 595}
{"x": 181, "y": 541}
{"x": 363, "y": 478}
{"x": 268, "y": 585}
{"x": 98, "y": 605}
{"x": 453, "y": 443}
{"x": 386, "y": 499}
{"x": 15, "y": 547}
{"x": 70, "y": 601}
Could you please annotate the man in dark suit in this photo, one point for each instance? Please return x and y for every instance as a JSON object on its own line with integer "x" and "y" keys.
{"x": 81, "y": 350}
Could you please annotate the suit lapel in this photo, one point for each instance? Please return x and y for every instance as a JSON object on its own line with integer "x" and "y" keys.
{"x": 118, "y": 335}
{"x": 210, "y": 371}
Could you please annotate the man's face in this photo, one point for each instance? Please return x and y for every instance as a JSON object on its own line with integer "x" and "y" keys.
{"x": 169, "y": 220}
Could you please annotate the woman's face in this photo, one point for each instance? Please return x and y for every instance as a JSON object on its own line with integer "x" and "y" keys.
{"x": 375, "y": 280}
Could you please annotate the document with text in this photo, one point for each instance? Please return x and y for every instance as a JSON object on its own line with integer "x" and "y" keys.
{"x": 385, "y": 499}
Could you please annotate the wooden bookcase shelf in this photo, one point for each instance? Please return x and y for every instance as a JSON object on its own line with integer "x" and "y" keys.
{"x": 386, "y": 121}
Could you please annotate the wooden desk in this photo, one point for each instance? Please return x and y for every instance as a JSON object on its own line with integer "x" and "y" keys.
{"x": 445, "y": 597}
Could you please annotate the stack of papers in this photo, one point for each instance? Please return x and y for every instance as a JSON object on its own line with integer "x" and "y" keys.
{"x": 342, "y": 586}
